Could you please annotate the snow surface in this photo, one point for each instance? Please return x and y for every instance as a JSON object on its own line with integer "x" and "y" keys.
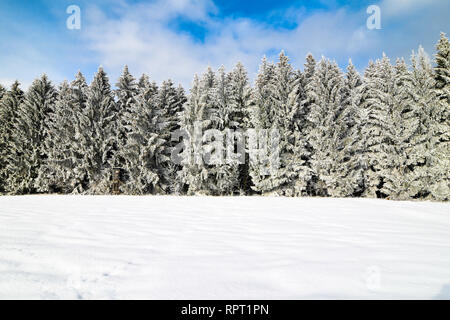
{"x": 153, "y": 247}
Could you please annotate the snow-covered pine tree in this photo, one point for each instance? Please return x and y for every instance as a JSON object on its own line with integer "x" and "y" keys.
{"x": 377, "y": 138}
{"x": 191, "y": 110}
{"x": 56, "y": 173}
{"x": 300, "y": 155}
{"x": 79, "y": 91}
{"x": 278, "y": 107}
{"x": 328, "y": 122}
{"x": 169, "y": 105}
{"x": 96, "y": 134}
{"x": 304, "y": 182}
{"x": 27, "y": 143}
{"x": 241, "y": 101}
{"x": 144, "y": 144}
{"x": 183, "y": 98}
{"x": 195, "y": 119}
{"x": 262, "y": 115}
{"x": 9, "y": 105}
{"x": 401, "y": 122}
{"x": 208, "y": 119}
{"x": 420, "y": 92}
{"x": 442, "y": 72}
{"x": 349, "y": 167}
{"x": 412, "y": 100}
{"x": 440, "y": 187}
{"x": 226, "y": 174}
{"x": 289, "y": 179}
{"x": 126, "y": 92}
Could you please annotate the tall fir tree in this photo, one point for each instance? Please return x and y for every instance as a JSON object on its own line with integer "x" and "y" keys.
{"x": 240, "y": 98}
{"x": 415, "y": 102}
{"x": 144, "y": 144}
{"x": 27, "y": 143}
{"x": 79, "y": 95}
{"x": 226, "y": 121}
{"x": 262, "y": 114}
{"x": 306, "y": 184}
{"x": 169, "y": 105}
{"x": 9, "y": 106}
{"x": 377, "y": 139}
{"x": 199, "y": 115}
{"x": 401, "y": 121}
{"x": 287, "y": 180}
{"x": 440, "y": 188}
{"x": 300, "y": 151}
{"x": 96, "y": 136}
{"x": 56, "y": 173}
{"x": 325, "y": 92}
{"x": 349, "y": 164}
{"x": 126, "y": 93}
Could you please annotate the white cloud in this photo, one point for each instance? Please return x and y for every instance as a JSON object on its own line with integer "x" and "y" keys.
{"x": 141, "y": 38}
{"x": 140, "y": 35}
{"x": 394, "y": 8}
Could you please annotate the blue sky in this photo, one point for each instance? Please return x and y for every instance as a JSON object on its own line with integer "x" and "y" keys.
{"x": 177, "y": 38}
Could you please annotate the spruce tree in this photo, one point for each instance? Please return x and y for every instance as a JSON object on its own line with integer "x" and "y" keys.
{"x": 240, "y": 98}
{"x": 198, "y": 115}
{"x": 262, "y": 114}
{"x": 285, "y": 103}
{"x": 96, "y": 135}
{"x": 349, "y": 164}
{"x": 300, "y": 152}
{"x": 304, "y": 181}
{"x": 56, "y": 173}
{"x": 401, "y": 130}
{"x": 192, "y": 111}
{"x": 377, "y": 138}
{"x": 144, "y": 144}
{"x": 227, "y": 172}
{"x": 126, "y": 93}
{"x": 418, "y": 117}
{"x": 169, "y": 105}
{"x": 440, "y": 188}
{"x": 9, "y": 106}
{"x": 79, "y": 91}
{"x": 325, "y": 92}
{"x": 28, "y": 151}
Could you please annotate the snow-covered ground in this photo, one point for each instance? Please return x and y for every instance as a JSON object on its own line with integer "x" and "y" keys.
{"x": 124, "y": 247}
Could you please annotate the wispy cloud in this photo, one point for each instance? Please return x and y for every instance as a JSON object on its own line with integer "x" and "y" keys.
{"x": 153, "y": 37}
{"x": 140, "y": 36}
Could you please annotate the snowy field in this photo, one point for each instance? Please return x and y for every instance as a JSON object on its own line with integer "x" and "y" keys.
{"x": 122, "y": 247}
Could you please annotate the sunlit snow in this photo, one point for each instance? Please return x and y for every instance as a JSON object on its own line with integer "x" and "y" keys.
{"x": 162, "y": 247}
